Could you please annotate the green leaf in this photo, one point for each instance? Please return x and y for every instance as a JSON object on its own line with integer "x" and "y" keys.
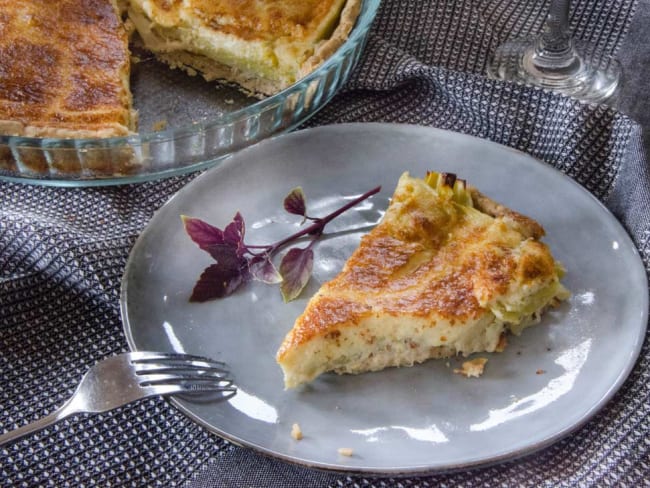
{"x": 295, "y": 268}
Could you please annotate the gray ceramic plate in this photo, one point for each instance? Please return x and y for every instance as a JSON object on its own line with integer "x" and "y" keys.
{"x": 548, "y": 382}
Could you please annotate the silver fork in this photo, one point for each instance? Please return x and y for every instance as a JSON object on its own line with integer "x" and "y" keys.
{"x": 124, "y": 378}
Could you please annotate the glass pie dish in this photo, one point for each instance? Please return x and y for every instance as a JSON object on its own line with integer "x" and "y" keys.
{"x": 185, "y": 123}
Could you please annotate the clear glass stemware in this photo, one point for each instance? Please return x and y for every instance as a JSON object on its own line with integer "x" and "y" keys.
{"x": 557, "y": 61}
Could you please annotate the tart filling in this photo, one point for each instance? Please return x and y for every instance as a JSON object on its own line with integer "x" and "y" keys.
{"x": 262, "y": 46}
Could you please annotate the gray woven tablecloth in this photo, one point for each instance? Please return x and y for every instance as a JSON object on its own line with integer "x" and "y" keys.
{"x": 63, "y": 251}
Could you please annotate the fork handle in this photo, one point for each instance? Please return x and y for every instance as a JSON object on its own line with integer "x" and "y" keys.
{"x": 37, "y": 425}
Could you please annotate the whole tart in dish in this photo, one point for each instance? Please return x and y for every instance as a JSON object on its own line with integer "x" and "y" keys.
{"x": 263, "y": 46}
{"x": 64, "y": 69}
{"x": 447, "y": 271}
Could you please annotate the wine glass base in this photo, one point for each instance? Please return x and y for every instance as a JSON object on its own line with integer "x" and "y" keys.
{"x": 591, "y": 77}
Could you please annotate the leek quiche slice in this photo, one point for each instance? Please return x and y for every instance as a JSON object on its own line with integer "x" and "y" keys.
{"x": 263, "y": 46}
{"x": 447, "y": 271}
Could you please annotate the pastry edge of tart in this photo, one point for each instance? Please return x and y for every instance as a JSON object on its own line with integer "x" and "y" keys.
{"x": 20, "y": 129}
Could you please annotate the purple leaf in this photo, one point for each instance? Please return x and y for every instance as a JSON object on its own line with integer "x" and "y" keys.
{"x": 215, "y": 282}
{"x": 234, "y": 234}
{"x": 236, "y": 263}
{"x": 234, "y": 231}
{"x": 201, "y": 232}
{"x": 295, "y": 268}
{"x": 226, "y": 257}
{"x": 262, "y": 269}
{"x": 294, "y": 202}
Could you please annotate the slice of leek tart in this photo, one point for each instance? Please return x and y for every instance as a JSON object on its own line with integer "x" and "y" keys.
{"x": 447, "y": 271}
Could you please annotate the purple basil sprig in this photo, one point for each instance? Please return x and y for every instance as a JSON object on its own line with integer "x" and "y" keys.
{"x": 238, "y": 262}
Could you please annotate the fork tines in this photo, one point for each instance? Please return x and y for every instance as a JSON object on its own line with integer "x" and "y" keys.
{"x": 192, "y": 373}
{"x": 173, "y": 358}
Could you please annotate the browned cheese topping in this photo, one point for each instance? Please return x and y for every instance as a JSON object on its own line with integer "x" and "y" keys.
{"x": 64, "y": 64}
{"x": 254, "y": 20}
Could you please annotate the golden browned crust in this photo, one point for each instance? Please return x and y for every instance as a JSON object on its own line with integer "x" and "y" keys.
{"x": 326, "y": 315}
{"x": 255, "y": 20}
{"x": 65, "y": 69}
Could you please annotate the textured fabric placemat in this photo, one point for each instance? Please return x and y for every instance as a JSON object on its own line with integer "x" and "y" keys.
{"x": 63, "y": 251}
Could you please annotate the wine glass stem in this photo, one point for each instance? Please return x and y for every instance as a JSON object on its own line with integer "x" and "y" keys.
{"x": 555, "y": 60}
{"x": 555, "y": 48}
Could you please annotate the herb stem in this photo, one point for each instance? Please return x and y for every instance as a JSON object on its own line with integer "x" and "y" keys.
{"x": 238, "y": 262}
{"x": 319, "y": 224}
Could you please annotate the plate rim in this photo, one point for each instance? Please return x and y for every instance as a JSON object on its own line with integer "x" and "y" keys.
{"x": 421, "y": 470}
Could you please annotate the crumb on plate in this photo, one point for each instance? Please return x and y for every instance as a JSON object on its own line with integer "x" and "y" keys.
{"x": 159, "y": 125}
{"x": 296, "y": 432}
{"x": 503, "y": 343}
{"x": 473, "y": 368}
{"x": 345, "y": 451}
{"x": 540, "y": 371}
